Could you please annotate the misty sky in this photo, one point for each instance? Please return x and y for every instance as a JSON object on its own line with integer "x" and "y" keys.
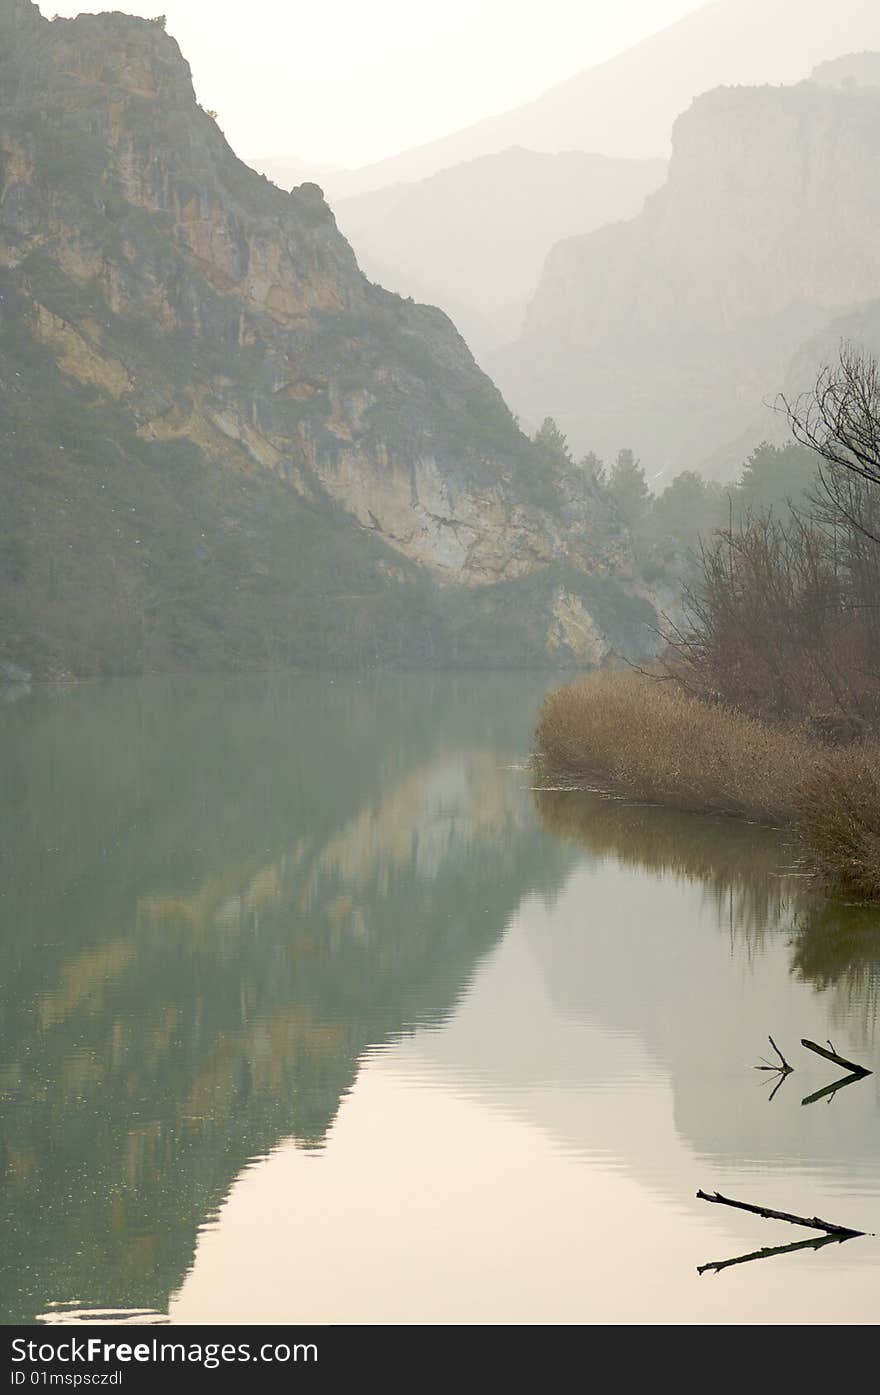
{"x": 351, "y": 82}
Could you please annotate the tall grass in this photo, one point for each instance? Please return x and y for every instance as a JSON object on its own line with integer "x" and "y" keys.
{"x": 838, "y": 812}
{"x": 648, "y": 738}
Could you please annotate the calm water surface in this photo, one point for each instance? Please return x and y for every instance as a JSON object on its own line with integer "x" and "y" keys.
{"x": 314, "y": 1010}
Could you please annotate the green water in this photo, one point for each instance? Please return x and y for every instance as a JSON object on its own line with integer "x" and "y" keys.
{"x": 313, "y": 1009}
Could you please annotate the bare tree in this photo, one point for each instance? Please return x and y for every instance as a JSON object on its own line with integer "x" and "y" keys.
{"x": 783, "y": 617}
{"x": 767, "y": 628}
{"x": 839, "y": 418}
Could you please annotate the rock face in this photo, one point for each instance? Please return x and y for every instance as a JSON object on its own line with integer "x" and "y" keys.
{"x": 188, "y": 317}
{"x": 667, "y": 332}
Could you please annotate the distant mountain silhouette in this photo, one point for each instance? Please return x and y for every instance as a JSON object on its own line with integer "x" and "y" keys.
{"x": 669, "y": 333}
{"x": 472, "y": 239}
{"x": 627, "y": 105}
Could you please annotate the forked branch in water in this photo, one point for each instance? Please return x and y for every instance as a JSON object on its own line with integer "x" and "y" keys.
{"x": 812, "y": 1222}
{"x": 784, "y": 1068}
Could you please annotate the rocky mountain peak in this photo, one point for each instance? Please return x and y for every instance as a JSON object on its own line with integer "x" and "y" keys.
{"x": 173, "y": 323}
{"x": 19, "y": 14}
{"x": 106, "y": 50}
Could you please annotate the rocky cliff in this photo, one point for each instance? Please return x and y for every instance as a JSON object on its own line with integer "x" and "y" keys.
{"x": 220, "y": 442}
{"x": 667, "y": 332}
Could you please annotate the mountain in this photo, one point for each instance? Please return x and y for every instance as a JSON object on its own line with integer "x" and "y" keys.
{"x": 220, "y": 444}
{"x": 626, "y": 106}
{"x": 473, "y": 238}
{"x": 669, "y": 332}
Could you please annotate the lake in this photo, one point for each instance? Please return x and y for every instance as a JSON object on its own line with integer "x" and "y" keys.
{"x": 315, "y": 1010}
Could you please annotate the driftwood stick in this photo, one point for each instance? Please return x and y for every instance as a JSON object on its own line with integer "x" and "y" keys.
{"x": 832, "y": 1055}
{"x": 832, "y": 1089}
{"x": 768, "y": 1251}
{"x": 812, "y": 1222}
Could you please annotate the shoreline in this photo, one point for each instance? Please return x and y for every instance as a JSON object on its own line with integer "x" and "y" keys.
{"x": 644, "y": 739}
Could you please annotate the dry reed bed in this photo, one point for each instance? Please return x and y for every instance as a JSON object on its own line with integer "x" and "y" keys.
{"x": 653, "y": 741}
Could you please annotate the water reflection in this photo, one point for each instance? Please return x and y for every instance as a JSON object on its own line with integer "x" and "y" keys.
{"x": 753, "y": 877}
{"x": 217, "y": 896}
{"x": 837, "y": 948}
{"x": 284, "y": 955}
{"x": 748, "y": 874}
{"x": 715, "y": 1266}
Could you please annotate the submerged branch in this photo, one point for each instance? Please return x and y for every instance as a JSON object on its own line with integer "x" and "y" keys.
{"x": 812, "y": 1222}
{"x": 832, "y": 1055}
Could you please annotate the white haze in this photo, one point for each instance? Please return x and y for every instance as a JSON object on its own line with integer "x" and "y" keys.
{"x": 626, "y": 107}
{"x": 350, "y": 83}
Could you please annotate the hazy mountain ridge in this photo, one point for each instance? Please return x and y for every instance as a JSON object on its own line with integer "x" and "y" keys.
{"x": 669, "y": 332}
{"x": 626, "y": 106}
{"x": 473, "y": 238}
{"x": 265, "y": 457}
{"x": 850, "y": 70}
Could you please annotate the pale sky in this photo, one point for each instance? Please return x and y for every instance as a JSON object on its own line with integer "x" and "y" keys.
{"x": 350, "y": 82}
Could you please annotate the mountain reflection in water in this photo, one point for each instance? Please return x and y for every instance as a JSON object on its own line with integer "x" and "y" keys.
{"x": 311, "y": 950}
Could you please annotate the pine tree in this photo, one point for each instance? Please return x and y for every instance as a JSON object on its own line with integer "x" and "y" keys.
{"x": 629, "y": 488}
{"x": 552, "y": 440}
